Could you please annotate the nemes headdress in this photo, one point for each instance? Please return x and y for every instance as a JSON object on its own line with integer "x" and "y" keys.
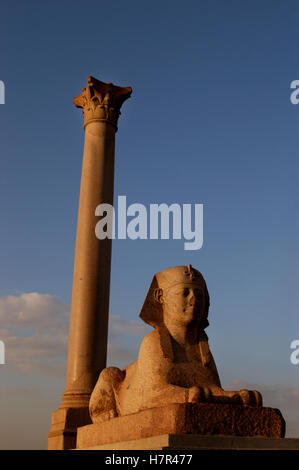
{"x": 152, "y": 310}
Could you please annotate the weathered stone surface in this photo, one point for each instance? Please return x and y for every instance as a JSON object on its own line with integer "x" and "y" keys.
{"x": 203, "y": 419}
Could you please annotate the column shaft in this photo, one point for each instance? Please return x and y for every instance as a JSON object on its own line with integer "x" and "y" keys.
{"x": 90, "y": 296}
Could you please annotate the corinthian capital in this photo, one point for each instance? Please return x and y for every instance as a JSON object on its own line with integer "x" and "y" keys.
{"x": 101, "y": 101}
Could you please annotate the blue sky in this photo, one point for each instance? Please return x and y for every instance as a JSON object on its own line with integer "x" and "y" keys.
{"x": 209, "y": 121}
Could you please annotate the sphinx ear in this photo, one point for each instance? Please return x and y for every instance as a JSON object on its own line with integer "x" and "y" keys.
{"x": 158, "y": 295}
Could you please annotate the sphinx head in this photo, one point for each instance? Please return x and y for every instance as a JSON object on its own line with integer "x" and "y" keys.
{"x": 178, "y": 295}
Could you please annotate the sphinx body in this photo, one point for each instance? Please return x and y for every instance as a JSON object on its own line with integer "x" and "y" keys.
{"x": 174, "y": 364}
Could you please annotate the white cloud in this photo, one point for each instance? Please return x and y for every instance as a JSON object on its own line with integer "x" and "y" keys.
{"x": 33, "y": 311}
{"x": 34, "y": 331}
{"x": 34, "y": 328}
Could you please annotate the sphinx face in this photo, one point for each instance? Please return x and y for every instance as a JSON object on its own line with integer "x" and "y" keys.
{"x": 184, "y": 304}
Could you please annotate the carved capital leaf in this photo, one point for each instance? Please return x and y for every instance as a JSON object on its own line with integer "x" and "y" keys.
{"x": 101, "y": 100}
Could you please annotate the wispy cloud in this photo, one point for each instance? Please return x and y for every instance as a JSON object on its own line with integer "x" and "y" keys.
{"x": 39, "y": 312}
{"x": 34, "y": 328}
{"x": 119, "y": 326}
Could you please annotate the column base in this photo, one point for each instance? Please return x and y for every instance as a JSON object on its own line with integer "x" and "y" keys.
{"x": 65, "y": 421}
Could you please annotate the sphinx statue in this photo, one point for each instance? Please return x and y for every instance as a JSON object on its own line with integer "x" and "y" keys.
{"x": 175, "y": 364}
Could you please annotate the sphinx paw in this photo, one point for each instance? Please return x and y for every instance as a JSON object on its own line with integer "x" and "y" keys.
{"x": 199, "y": 394}
{"x": 251, "y": 398}
{"x": 104, "y": 416}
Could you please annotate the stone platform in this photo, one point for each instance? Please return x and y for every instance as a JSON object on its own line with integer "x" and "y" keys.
{"x": 197, "y": 442}
{"x": 184, "y": 419}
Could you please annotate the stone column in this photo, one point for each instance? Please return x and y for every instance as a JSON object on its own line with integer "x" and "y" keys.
{"x": 101, "y": 103}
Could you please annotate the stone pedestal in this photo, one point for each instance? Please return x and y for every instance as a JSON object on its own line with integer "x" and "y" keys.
{"x": 63, "y": 434}
{"x": 184, "y": 419}
{"x": 193, "y": 442}
{"x": 87, "y": 349}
